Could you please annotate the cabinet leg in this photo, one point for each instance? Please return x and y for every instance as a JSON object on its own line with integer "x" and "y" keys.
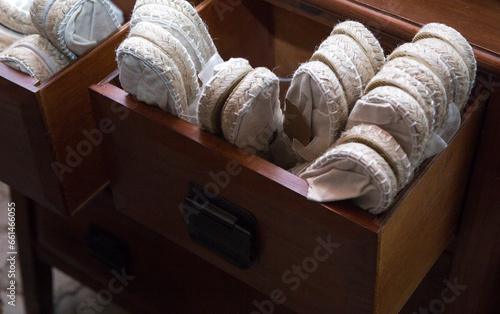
{"x": 37, "y": 275}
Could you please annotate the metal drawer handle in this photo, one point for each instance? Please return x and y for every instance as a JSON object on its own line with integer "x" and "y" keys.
{"x": 222, "y": 227}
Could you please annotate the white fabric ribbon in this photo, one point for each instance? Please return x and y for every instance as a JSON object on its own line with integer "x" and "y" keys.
{"x": 208, "y": 70}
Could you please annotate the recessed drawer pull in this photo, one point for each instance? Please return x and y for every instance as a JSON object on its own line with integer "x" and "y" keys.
{"x": 222, "y": 227}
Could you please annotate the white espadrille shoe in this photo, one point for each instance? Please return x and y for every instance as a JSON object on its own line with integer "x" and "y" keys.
{"x": 355, "y": 52}
{"x": 457, "y": 66}
{"x": 394, "y": 77}
{"x": 340, "y": 60}
{"x": 150, "y": 69}
{"x": 352, "y": 171}
{"x": 398, "y": 113}
{"x": 318, "y": 94}
{"x": 225, "y": 78}
{"x": 180, "y": 26}
{"x": 189, "y": 11}
{"x": 435, "y": 93}
{"x": 75, "y": 26}
{"x": 365, "y": 39}
{"x": 252, "y": 117}
{"x": 35, "y": 56}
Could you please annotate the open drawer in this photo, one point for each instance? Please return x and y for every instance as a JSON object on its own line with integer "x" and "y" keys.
{"x": 49, "y": 141}
{"x": 311, "y": 257}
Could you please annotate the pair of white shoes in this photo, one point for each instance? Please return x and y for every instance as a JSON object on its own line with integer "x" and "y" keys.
{"x": 169, "y": 60}
{"x": 159, "y": 62}
{"x": 61, "y": 30}
{"x": 407, "y": 113}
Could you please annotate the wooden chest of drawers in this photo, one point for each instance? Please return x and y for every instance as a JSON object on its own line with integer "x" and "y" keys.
{"x": 314, "y": 258}
{"x": 49, "y": 142}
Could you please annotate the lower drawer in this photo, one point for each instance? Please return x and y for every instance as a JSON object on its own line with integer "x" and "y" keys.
{"x": 97, "y": 243}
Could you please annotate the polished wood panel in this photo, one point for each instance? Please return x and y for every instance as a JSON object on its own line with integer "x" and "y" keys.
{"x": 477, "y": 262}
{"x": 26, "y": 152}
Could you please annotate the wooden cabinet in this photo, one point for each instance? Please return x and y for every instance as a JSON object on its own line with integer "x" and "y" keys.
{"x": 306, "y": 257}
{"x": 49, "y": 142}
{"x": 375, "y": 262}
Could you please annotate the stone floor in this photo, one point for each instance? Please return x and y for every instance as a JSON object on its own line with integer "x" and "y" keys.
{"x": 68, "y": 293}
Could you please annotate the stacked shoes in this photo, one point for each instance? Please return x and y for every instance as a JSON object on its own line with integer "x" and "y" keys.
{"x": 66, "y": 29}
{"x": 326, "y": 88}
{"x": 15, "y": 22}
{"x": 169, "y": 60}
{"x": 407, "y": 113}
{"x": 242, "y": 104}
{"x": 166, "y": 50}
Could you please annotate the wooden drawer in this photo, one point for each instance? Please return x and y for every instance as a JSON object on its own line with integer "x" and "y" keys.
{"x": 313, "y": 257}
{"x": 45, "y": 128}
{"x": 160, "y": 277}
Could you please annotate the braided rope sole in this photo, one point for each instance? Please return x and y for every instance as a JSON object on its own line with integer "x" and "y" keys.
{"x": 400, "y": 79}
{"x": 456, "y": 65}
{"x": 38, "y": 12}
{"x": 454, "y": 38}
{"x": 16, "y": 19}
{"x": 365, "y": 39}
{"x": 32, "y": 53}
{"x": 341, "y": 64}
{"x": 226, "y": 75}
{"x": 189, "y": 11}
{"x": 411, "y": 113}
{"x": 434, "y": 87}
{"x": 260, "y": 82}
{"x": 178, "y": 25}
{"x": 432, "y": 60}
{"x": 354, "y": 51}
{"x": 385, "y": 145}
